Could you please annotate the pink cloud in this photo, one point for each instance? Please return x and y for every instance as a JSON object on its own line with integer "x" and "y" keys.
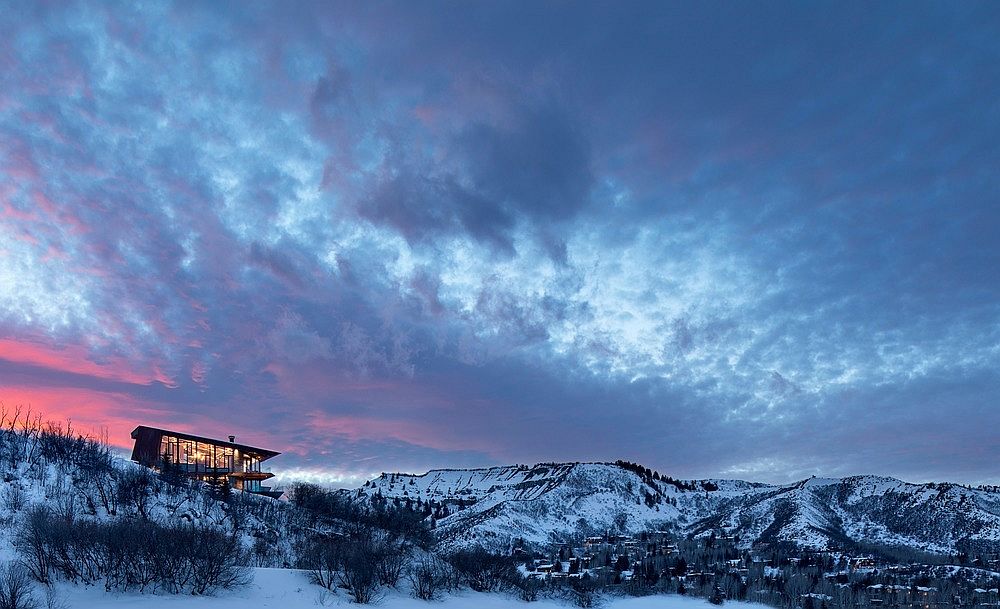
{"x": 73, "y": 359}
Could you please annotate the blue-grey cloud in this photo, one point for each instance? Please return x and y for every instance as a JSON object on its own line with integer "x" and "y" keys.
{"x": 719, "y": 239}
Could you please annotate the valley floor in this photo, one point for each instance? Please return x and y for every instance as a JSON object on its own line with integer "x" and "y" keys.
{"x": 289, "y": 589}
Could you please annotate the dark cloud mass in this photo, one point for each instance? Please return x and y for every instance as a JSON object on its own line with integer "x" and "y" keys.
{"x": 719, "y": 239}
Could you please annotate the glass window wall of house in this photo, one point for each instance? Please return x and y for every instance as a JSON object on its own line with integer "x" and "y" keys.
{"x": 250, "y": 463}
{"x": 198, "y": 454}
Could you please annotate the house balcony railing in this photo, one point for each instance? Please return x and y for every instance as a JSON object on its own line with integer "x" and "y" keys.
{"x": 239, "y": 472}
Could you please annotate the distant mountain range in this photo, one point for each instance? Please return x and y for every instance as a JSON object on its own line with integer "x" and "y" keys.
{"x": 551, "y": 502}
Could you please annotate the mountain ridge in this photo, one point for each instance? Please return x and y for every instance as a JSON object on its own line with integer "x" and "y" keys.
{"x": 549, "y": 502}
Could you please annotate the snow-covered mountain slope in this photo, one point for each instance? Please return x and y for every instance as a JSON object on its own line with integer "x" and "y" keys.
{"x": 553, "y": 501}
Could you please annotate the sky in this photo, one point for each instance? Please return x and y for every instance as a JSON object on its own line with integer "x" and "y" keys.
{"x": 750, "y": 240}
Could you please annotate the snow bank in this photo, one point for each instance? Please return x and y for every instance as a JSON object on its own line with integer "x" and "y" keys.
{"x": 290, "y": 589}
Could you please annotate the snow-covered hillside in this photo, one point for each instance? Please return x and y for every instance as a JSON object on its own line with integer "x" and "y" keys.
{"x": 552, "y": 501}
{"x": 47, "y": 473}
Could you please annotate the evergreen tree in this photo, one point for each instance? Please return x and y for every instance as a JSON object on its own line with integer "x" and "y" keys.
{"x": 681, "y": 567}
{"x": 170, "y": 472}
{"x": 716, "y": 597}
{"x": 622, "y": 563}
{"x": 225, "y": 490}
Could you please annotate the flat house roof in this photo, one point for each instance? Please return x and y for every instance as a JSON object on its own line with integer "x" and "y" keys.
{"x": 263, "y": 453}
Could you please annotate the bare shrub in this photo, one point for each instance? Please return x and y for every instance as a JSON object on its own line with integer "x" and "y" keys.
{"x": 322, "y": 557}
{"x": 360, "y": 566}
{"x": 216, "y": 561}
{"x": 390, "y": 556}
{"x": 483, "y": 571}
{"x": 14, "y": 498}
{"x": 53, "y": 599}
{"x": 265, "y": 552}
{"x": 99, "y": 484}
{"x": 31, "y": 543}
{"x": 131, "y": 555}
{"x": 528, "y": 588}
{"x": 17, "y": 591}
{"x": 64, "y": 501}
{"x": 134, "y": 488}
{"x": 361, "y": 561}
{"x": 429, "y": 577}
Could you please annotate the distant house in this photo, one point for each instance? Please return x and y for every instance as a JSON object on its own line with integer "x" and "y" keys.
{"x": 206, "y": 459}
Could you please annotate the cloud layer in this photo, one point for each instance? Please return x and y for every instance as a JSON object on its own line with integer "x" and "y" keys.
{"x": 719, "y": 240}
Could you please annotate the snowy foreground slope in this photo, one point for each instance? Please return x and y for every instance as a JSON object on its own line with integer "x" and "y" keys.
{"x": 549, "y": 502}
{"x": 290, "y": 589}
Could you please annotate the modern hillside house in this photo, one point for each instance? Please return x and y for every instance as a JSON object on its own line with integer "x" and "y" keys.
{"x": 213, "y": 461}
